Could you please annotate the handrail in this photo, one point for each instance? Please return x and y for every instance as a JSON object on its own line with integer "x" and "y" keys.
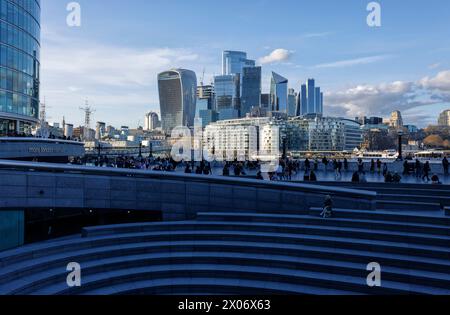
{"x": 103, "y": 171}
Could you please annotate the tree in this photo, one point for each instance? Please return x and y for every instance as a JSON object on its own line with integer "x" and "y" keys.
{"x": 434, "y": 141}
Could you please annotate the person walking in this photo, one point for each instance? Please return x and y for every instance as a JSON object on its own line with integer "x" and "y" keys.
{"x": 418, "y": 168}
{"x": 426, "y": 172}
{"x": 445, "y": 164}
{"x": 379, "y": 164}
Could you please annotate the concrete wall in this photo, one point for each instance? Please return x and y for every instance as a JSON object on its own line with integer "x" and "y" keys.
{"x": 11, "y": 229}
{"x": 23, "y": 148}
{"x": 178, "y": 196}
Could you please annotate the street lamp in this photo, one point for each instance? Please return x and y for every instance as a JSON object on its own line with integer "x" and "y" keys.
{"x": 400, "y": 145}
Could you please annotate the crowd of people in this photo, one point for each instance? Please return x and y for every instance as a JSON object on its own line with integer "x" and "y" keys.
{"x": 288, "y": 169}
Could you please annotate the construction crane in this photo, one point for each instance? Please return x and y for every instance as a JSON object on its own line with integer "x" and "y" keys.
{"x": 203, "y": 77}
{"x": 88, "y": 111}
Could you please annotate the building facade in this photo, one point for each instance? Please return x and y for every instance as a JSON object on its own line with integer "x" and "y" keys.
{"x": 444, "y": 118}
{"x": 19, "y": 66}
{"x": 234, "y": 61}
{"x": 151, "y": 121}
{"x": 177, "y": 96}
{"x": 227, "y": 92}
{"x": 278, "y": 93}
{"x": 396, "y": 120}
{"x": 251, "y": 89}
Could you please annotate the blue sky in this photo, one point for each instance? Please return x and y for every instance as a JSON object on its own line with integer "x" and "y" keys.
{"x": 114, "y": 57}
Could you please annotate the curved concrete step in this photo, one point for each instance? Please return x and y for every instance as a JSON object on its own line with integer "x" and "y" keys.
{"x": 37, "y": 281}
{"x": 31, "y": 267}
{"x": 399, "y": 205}
{"x": 338, "y": 222}
{"x": 338, "y": 231}
{"x": 213, "y": 235}
{"x": 302, "y": 277}
{"x": 434, "y": 218}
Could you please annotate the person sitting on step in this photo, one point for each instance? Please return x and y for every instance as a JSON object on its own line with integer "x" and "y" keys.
{"x": 327, "y": 208}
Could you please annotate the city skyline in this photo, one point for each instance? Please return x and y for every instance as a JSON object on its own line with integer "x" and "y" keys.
{"x": 364, "y": 71}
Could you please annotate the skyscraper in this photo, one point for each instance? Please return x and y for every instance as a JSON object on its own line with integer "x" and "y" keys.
{"x": 292, "y": 103}
{"x": 177, "y": 96}
{"x": 321, "y": 103}
{"x": 396, "y": 120}
{"x": 444, "y": 118}
{"x": 317, "y": 97}
{"x": 251, "y": 89}
{"x": 227, "y": 92}
{"x": 151, "y": 121}
{"x": 279, "y": 93}
{"x": 234, "y": 61}
{"x": 303, "y": 98}
{"x": 19, "y": 67}
{"x": 311, "y": 96}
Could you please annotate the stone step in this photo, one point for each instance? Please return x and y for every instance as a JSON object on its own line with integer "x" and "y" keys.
{"x": 219, "y": 272}
{"x": 33, "y": 266}
{"x": 214, "y": 235}
{"x": 399, "y": 205}
{"x": 434, "y": 218}
{"x": 358, "y": 270}
{"x": 339, "y": 231}
{"x": 297, "y": 219}
{"x": 444, "y": 200}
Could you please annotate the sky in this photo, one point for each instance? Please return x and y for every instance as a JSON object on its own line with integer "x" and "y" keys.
{"x": 112, "y": 59}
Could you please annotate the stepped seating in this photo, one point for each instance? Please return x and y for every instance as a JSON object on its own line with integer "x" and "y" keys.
{"x": 400, "y": 197}
{"x": 243, "y": 253}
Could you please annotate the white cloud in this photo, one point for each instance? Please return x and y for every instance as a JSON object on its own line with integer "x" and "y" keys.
{"x": 440, "y": 82}
{"x": 121, "y": 83}
{"x": 353, "y": 62}
{"x": 278, "y": 55}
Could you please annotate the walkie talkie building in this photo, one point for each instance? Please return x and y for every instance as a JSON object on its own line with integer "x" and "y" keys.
{"x": 177, "y": 97}
{"x": 19, "y": 65}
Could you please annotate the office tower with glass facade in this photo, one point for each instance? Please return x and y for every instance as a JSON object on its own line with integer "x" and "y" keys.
{"x": 317, "y": 98}
{"x": 311, "y": 96}
{"x": 321, "y": 103}
{"x": 292, "y": 103}
{"x": 19, "y": 66}
{"x": 177, "y": 97}
{"x": 234, "y": 61}
{"x": 251, "y": 89}
{"x": 278, "y": 93}
{"x": 227, "y": 92}
{"x": 303, "y": 100}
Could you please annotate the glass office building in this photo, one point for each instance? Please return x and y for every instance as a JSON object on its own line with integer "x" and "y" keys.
{"x": 279, "y": 93}
{"x": 19, "y": 66}
{"x": 177, "y": 97}
{"x": 227, "y": 92}
{"x": 303, "y": 100}
{"x": 234, "y": 61}
{"x": 251, "y": 89}
{"x": 311, "y": 96}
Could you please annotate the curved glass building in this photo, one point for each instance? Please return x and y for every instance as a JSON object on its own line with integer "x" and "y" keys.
{"x": 177, "y": 98}
{"x": 19, "y": 66}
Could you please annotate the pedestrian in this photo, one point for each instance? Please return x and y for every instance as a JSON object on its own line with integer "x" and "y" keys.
{"x": 327, "y": 208}
{"x": 426, "y": 171}
{"x": 445, "y": 164}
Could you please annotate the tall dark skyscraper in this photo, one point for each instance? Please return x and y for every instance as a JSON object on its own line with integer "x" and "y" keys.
{"x": 303, "y": 97}
{"x": 279, "y": 93}
{"x": 19, "y": 65}
{"x": 177, "y": 97}
{"x": 251, "y": 89}
{"x": 311, "y": 96}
